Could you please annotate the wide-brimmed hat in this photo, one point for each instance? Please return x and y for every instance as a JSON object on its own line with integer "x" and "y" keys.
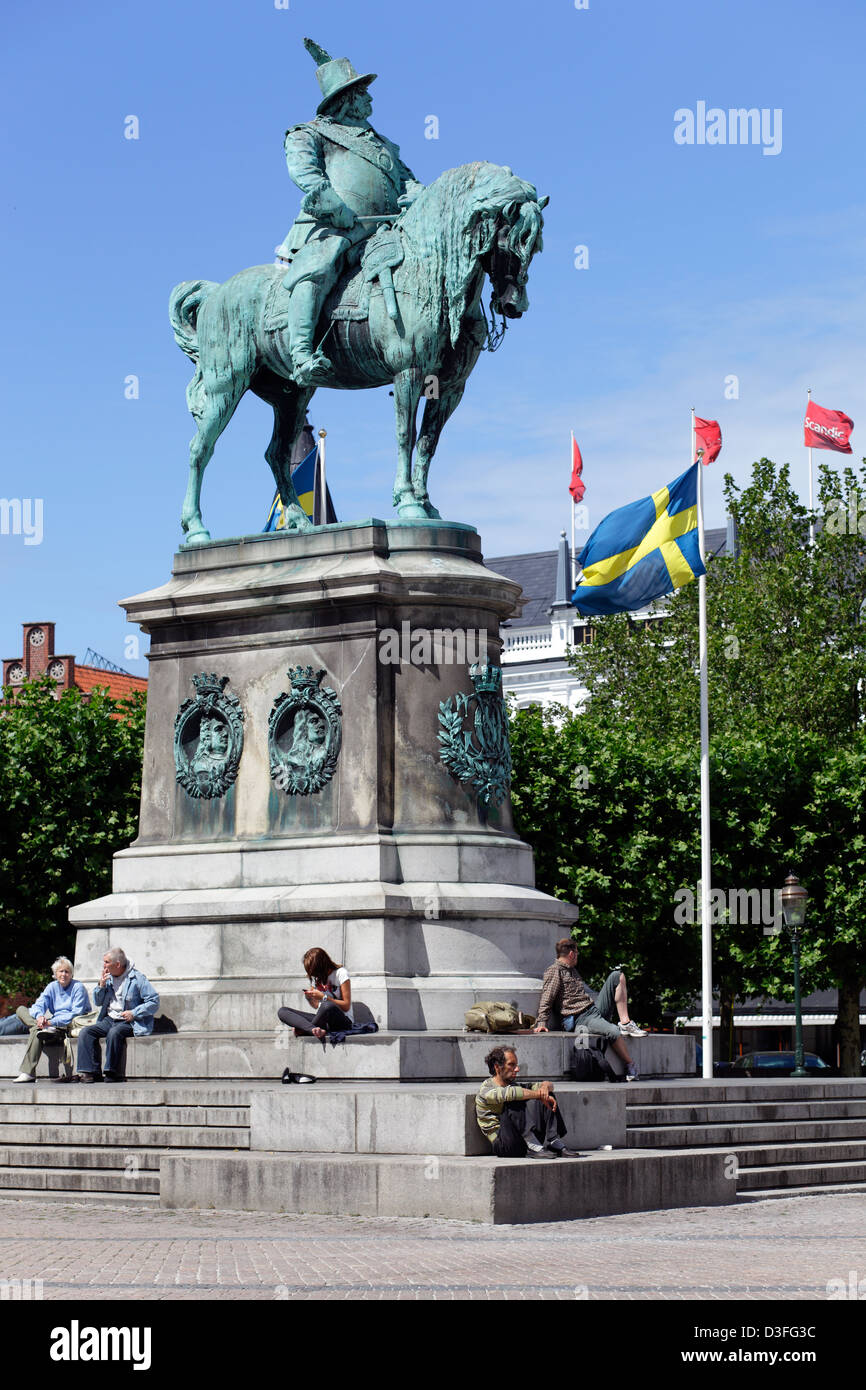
{"x": 335, "y": 75}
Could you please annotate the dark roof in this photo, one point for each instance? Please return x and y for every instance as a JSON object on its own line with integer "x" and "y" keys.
{"x": 536, "y": 575}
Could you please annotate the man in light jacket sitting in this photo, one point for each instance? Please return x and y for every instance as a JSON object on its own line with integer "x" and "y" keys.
{"x": 128, "y": 1002}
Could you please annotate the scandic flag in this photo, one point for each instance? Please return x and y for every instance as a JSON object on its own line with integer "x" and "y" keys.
{"x": 642, "y": 551}
{"x": 708, "y": 436}
{"x": 576, "y": 486}
{"x": 827, "y": 429}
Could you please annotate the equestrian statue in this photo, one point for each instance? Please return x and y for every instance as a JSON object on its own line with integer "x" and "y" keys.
{"x": 378, "y": 282}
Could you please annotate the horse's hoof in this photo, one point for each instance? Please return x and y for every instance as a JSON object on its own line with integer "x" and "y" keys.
{"x": 199, "y": 536}
{"x": 413, "y": 510}
{"x": 296, "y": 519}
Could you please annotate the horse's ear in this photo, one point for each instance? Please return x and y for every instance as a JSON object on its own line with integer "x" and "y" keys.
{"x": 511, "y": 211}
{"x": 542, "y": 202}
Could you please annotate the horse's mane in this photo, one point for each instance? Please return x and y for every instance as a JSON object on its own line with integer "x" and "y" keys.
{"x": 453, "y": 221}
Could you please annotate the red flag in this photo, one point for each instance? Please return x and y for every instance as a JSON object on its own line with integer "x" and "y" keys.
{"x": 708, "y": 436}
{"x": 827, "y": 429}
{"x": 576, "y": 486}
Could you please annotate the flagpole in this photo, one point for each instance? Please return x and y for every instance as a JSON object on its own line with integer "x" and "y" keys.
{"x": 573, "y": 505}
{"x": 811, "y": 488}
{"x": 706, "y": 927}
{"x": 323, "y": 489}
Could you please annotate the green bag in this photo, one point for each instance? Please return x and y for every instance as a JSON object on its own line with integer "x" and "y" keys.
{"x": 492, "y": 1016}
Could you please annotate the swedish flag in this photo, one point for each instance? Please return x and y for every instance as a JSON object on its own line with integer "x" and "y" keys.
{"x": 305, "y": 480}
{"x": 642, "y": 551}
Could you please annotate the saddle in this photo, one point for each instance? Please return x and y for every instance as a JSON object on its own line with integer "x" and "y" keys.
{"x": 349, "y": 302}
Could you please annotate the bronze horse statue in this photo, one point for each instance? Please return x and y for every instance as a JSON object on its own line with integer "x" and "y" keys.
{"x": 421, "y": 329}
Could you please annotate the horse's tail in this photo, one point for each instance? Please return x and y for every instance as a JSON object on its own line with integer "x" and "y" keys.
{"x": 183, "y": 306}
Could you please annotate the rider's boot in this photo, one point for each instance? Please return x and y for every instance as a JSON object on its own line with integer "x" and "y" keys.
{"x": 309, "y": 367}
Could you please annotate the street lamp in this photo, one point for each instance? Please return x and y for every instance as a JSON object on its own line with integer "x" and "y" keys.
{"x": 793, "y": 899}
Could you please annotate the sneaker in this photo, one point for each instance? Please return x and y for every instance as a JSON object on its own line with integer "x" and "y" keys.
{"x": 632, "y": 1075}
{"x": 631, "y": 1030}
{"x": 23, "y": 1076}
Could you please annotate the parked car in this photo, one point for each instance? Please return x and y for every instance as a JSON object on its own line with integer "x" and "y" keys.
{"x": 719, "y": 1068}
{"x": 777, "y": 1064}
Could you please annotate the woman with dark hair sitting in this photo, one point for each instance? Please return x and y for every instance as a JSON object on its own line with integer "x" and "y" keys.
{"x": 330, "y": 993}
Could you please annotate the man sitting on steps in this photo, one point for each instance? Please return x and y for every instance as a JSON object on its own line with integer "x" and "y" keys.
{"x": 565, "y": 997}
{"x": 128, "y": 1003}
{"x": 519, "y": 1121}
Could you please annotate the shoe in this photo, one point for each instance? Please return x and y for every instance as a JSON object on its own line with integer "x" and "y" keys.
{"x": 631, "y": 1030}
{"x": 112, "y": 1076}
{"x": 315, "y": 371}
{"x": 63, "y": 1080}
{"x": 23, "y": 1076}
{"x": 297, "y": 1078}
{"x": 632, "y": 1075}
{"x": 85, "y": 1077}
{"x": 541, "y": 1153}
{"x": 564, "y": 1152}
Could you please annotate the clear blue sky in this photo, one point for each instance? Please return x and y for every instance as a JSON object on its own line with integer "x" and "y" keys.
{"x": 704, "y": 261}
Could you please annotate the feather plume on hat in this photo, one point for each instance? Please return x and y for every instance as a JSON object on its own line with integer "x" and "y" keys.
{"x": 319, "y": 55}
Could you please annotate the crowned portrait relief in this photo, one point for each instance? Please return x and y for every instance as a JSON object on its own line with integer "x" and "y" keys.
{"x": 481, "y": 754}
{"x": 208, "y": 738}
{"x": 305, "y": 731}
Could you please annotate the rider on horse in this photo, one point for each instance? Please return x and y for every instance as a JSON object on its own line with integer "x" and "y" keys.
{"x": 353, "y": 179}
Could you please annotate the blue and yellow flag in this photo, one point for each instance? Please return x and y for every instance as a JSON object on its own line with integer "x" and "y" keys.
{"x": 643, "y": 551}
{"x": 305, "y": 480}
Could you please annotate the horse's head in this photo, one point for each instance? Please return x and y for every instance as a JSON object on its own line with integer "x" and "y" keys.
{"x": 516, "y": 240}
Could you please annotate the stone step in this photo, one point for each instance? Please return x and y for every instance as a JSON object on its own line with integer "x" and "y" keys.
{"x": 413, "y": 1119}
{"x": 730, "y": 1113}
{"x": 697, "y": 1092}
{"x": 498, "y": 1191}
{"x": 731, "y": 1136}
{"x": 385, "y": 1055}
{"x": 800, "y": 1175}
{"x": 817, "y": 1190}
{"x": 128, "y": 1137}
{"x": 201, "y": 1091}
{"x": 839, "y": 1150}
{"x": 78, "y": 1180}
{"x": 61, "y": 1156}
{"x": 73, "y": 1197}
{"x": 85, "y": 1113}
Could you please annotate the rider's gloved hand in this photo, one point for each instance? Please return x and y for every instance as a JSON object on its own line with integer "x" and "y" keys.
{"x": 326, "y": 205}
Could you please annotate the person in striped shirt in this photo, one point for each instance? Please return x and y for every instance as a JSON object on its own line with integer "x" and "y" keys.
{"x": 519, "y": 1121}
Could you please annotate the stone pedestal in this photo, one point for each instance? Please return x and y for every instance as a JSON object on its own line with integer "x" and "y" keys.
{"x": 393, "y": 866}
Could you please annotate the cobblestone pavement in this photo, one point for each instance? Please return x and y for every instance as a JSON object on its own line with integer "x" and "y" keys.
{"x": 782, "y": 1249}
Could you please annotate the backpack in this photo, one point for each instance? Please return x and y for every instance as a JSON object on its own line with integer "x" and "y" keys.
{"x": 590, "y": 1064}
{"x": 495, "y": 1017}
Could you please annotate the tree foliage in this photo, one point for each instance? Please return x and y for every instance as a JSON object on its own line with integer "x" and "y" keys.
{"x": 787, "y": 676}
{"x": 70, "y": 782}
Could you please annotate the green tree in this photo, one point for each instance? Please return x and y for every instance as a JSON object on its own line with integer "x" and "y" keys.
{"x": 70, "y": 782}
{"x": 787, "y": 666}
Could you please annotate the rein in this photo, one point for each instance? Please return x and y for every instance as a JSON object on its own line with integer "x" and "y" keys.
{"x": 495, "y": 332}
